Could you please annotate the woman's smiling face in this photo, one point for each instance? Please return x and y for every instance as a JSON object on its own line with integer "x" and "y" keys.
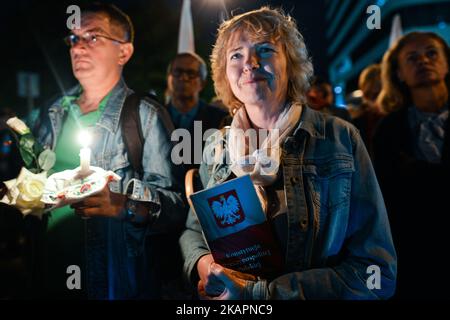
{"x": 256, "y": 70}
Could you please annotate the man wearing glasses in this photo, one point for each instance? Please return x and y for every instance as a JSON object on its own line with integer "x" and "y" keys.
{"x": 113, "y": 244}
{"x": 186, "y": 78}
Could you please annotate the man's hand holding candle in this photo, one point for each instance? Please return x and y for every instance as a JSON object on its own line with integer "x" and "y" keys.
{"x": 105, "y": 203}
{"x": 109, "y": 204}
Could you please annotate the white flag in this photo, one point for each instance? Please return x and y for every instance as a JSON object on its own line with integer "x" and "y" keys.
{"x": 396, "y": 30}
{"x": 186, "y": 32}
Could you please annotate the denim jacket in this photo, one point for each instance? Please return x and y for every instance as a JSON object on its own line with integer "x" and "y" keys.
{"x": 337, "y": 221}
{"x": 120, "y": 255}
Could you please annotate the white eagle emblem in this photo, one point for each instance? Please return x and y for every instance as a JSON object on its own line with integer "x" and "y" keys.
{"x": 226, "y": 211}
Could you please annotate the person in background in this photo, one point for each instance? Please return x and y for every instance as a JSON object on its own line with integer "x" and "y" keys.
{"x": 412, "y": 160}
{"x": 187, "y": 75}
{"x": 186, "y": 78}
{"x": 369, "y": 113}
{"x": 320, "y": 98}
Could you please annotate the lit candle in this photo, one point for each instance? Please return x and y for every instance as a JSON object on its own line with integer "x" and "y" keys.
{"x": 85, "y": 152}
{"x": 85, "y": 159}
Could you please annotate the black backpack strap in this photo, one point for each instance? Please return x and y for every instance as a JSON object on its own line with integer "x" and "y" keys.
{"x": 132, "y": 131}
{"x": 130, "y": 122}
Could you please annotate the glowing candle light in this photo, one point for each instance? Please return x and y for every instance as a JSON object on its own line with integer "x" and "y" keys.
{"x": 85, "y": 152}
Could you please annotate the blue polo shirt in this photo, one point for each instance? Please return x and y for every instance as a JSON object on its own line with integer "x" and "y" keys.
{"x": 183, "y": 119}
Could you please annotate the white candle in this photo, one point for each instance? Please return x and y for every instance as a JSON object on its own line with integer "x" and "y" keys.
{"x": 85, "y": 159}
{"x": 85, "y": 152}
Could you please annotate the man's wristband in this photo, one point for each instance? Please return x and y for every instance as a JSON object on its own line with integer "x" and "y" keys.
{"x": 136, "y": 211}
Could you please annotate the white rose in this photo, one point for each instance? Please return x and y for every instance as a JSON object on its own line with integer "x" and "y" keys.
{"x": 18, "y": 125}
{"x": 26, "y": 191}
{"x": 30, "y": 192}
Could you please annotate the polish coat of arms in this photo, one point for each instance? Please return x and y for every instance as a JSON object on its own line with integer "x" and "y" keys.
{"x": 227, "y": 209}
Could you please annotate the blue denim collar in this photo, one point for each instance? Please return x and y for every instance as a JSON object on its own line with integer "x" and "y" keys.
{"x": 57, "y": 107}
{"x": 110, "y": 118}
{"x": 311, "y": 121}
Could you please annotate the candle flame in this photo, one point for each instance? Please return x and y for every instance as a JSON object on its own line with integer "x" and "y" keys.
{"x": 85, "y": 138}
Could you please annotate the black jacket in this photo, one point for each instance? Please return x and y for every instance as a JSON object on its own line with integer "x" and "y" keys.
{"x": 417, "y": 198}
{"x": 212, "y": 118}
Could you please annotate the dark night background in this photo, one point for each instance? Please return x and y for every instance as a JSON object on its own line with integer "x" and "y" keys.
{"x": 32, "y": 32}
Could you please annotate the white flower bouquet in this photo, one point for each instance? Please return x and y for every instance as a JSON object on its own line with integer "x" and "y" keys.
{"x": 25, "y": 192}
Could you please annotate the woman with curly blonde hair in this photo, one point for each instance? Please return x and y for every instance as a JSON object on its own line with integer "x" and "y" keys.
{"x": 261, "y": 27}
{"x": 412, "y": 158}
{"x": 311, "y": 172}
{"x": 396, "y": 93}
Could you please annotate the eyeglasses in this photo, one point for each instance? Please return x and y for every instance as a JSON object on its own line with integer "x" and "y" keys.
{"x": 88, "y": 38}
{"x": 190, "y": 74}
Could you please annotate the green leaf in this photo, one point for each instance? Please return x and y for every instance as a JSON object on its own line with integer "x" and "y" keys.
{"x": 27, "y": 157}
{"x": 34, "y": 170}
{"x": 37, "y": 149}
{"x": 46, "y": 159}
{"x": 33, "y": 154}
{"x": 27, "y": 142}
